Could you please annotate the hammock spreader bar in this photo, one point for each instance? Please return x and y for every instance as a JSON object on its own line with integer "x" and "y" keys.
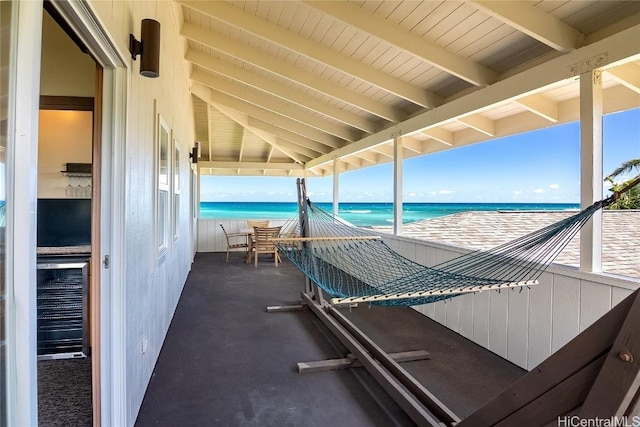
{"x": 426, "y": 294}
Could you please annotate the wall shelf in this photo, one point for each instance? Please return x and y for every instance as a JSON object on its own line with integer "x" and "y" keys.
{"x": 77, "y": 170}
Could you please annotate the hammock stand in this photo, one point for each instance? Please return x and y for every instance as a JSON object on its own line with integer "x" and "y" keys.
{"x": 598, "y": 371}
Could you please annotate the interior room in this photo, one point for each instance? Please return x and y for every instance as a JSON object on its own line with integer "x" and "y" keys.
{"x": 65, "y": 188}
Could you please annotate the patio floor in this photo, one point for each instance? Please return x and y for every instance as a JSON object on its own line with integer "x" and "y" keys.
{"x": 226, "y": 361}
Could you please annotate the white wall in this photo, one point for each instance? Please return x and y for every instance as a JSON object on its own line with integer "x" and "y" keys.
{"x": 63, "y": 137}
{"x": 152, "y": 284}
{"x": 66, "y": 71}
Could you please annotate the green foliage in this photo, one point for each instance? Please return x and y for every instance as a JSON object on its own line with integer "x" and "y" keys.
{"x": 630, "y": 199}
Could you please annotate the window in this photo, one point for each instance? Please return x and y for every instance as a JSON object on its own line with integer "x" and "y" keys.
{"x": 176, "y": 190}
{"x": 163, "y": 156}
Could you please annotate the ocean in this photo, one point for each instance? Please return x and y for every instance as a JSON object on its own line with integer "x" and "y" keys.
{"x": 365, "y": 214}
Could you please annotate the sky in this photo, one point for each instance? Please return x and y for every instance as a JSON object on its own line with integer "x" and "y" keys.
{"x": 542, "y": 166}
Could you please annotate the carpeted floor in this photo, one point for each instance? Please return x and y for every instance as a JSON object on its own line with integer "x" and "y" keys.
{"x": 64, "y": 393}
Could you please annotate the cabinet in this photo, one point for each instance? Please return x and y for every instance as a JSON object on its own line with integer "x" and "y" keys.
{"x": 62, "y": 307}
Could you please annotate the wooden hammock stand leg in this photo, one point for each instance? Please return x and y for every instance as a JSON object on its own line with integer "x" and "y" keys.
{"x": 594, "y": 376}
{"x": 421, "y": 405}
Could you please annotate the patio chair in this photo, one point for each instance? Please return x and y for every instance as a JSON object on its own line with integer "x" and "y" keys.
{"x": 251, "y": 224}
{"x": 262, "y": 244}
{"x": 236, "y": 245}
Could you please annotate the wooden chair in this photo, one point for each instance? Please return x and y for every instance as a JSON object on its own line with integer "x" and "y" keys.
{"x": 262, "y": 244}
{"x": 237, "y": 245}
{"x": 251, "y": 224}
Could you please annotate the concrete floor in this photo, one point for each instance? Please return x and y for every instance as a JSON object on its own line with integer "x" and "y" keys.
{"x": 228, "y": 362}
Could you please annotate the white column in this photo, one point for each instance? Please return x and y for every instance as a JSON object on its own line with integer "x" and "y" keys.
{"x": 591, "y": 168}
{"x": 22, "y": 166}
{"x": 336, "y": 187}
{"x": 397, "y": 184}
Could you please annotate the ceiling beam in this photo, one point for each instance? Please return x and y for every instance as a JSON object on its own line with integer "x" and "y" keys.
{"x": 620, "y": 47}
{"x": 385, "y": 150}
{"x": 285, "y": 70}
{"x": 533, "y": 22}
{"x": 369, "y": 157}
{"x": 480, "y": 123}
{"x": 439, "y": 57}
{"x": 250, "y": 165}
{"x": 538, "y": 104}
{"x": 273, "y": 104}
{"x": 243, "y": 120}
{"x": 289, "y": 136}
{"x": 441, "y": 135}
{"x": 292, "y": 41}
{"x": 215, "y": 97}
{"x": 284, "y": 92}
{"x": 627, "y": 75}
{"x": 412, "y": 144}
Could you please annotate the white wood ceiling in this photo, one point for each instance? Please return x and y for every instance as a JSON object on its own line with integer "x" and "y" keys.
{"x": 290, "y": 88}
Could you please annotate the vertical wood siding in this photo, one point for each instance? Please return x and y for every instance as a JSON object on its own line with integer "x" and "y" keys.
{"x": 522, "y": 325}
{"x": 152, "y": 284}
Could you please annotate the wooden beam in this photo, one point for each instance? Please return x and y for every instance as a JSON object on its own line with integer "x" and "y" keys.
{"x": 276, "y": 105}
{"x": 292, "y": 41}
{"x": 352, "y": 362}
{"x": 356, "y": 16}
{"x": 541, "y": 106}
{"x": 561, "y": 399}
{"x": 534, "y": 22}
{"x": 480, "y": 123}
{"x": 212, "y": 96}
{"x": 279, "y": 90}
{"x": 284, "y": 69}
{"x": 627, "y": 75}
{"x": 410, "y": 403}
{"x": 282, "y": 308}
{"x": 618, "y": 382}
{"x": 581, "y": 351}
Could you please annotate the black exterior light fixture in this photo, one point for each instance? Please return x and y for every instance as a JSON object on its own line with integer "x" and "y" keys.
{"x": 148, "y": 48}
{"x": 195, "y": 153}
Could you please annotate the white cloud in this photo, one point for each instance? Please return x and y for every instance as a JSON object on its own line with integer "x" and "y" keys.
{"x": 517, "y": 192}
{"x": 554, "y": 186}
{"x": 446, "y": 192}
{"x": 538, "y": 191}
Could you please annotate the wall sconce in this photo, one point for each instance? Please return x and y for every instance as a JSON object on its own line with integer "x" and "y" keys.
{"x": 148, "y": 48}
{"x": 195, "y": 153}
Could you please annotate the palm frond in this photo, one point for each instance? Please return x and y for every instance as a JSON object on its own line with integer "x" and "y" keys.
{"x": 624, "y": 168}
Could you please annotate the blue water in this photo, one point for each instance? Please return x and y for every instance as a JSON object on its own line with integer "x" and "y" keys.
{"x": 364, "y": 214}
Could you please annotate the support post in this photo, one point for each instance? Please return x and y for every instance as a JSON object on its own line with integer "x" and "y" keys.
{"x": 591, "y": 111}
{"x": 397, "y": 183}
{"x": 336, "y": 187}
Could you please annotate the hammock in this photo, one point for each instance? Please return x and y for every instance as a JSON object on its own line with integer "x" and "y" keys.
{"x": 353, "y": 266}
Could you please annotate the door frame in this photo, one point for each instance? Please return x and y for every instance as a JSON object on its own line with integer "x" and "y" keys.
{"x": 109, "y": 367}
